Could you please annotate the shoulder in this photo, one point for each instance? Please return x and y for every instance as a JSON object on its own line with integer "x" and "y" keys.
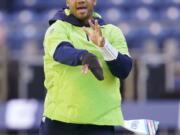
{"x": 112, "y": 27}
{"x": 59, "y": 25}
{"x": 112, "y": 30}
{"x": 57, "y": 28}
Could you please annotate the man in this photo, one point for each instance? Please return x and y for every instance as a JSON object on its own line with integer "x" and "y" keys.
{"x": 86, "y": 103}
{"x": 3, "y": 63}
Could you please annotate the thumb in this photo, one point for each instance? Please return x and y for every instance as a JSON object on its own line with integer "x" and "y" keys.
{"x": 85, "y": 69}
{"x": 86, "y": 31}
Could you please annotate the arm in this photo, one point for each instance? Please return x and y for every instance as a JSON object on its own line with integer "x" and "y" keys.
{"x": 59, "y": 47}
{"x": 119, "y": 64}
{"x": 65, "y": 53}
{"x": 122, "y": 64}
{"x": 118, "y": 60}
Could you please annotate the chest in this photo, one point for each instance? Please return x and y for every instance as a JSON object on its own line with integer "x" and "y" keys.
{"x": 80, "y": 40}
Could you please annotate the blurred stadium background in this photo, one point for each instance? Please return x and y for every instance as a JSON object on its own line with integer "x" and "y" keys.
{"x": 152, "y": 30}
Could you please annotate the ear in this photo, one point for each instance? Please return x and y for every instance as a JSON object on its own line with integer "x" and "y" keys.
{"x": 67, "y": 3}
{"x": 95, "y": 2}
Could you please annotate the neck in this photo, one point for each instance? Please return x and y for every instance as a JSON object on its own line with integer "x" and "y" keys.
{"x": 86, "y": 21}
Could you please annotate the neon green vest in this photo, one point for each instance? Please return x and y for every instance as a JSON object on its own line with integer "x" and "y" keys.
{"x": 73, "y": 97}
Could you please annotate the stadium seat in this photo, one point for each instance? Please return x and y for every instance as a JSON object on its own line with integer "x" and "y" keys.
{"x": 139, "y": 19}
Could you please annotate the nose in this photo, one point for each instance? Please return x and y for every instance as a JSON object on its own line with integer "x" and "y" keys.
{"x": 80, "y": 1}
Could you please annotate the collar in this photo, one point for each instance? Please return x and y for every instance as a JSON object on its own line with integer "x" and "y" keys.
{"x": 64, "y": 15}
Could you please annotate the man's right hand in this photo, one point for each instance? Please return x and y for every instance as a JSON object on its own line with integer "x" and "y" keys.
{"x": 90, "y": 61}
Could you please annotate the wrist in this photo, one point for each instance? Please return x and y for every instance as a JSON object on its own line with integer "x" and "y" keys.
{"x": 108, "y": 51}
{"x": 82, "y": 55}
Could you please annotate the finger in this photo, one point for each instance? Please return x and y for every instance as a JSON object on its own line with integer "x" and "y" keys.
{"x": 86, "y": 31}
{"x": 91, "y": 24}
{"x": 96, "y": 23}
{"x": 100, "y": 32}
{"x": 98, "y": 28}
{"x": 85, "y": 69}
{"x": 100, "y": 63}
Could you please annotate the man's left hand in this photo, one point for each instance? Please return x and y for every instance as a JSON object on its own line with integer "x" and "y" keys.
{"x": 95, "y": 35}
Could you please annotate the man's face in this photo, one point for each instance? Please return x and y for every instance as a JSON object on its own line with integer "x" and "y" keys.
{"x": 82, "y": 9}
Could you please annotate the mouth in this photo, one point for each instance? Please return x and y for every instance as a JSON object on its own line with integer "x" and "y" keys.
{"x": 81, "y": 9}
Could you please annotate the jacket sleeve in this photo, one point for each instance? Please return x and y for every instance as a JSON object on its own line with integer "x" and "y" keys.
{"x": 65, "y": 53}
{"x": 59, "y": 47}
{"x": 122, "y": 64}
